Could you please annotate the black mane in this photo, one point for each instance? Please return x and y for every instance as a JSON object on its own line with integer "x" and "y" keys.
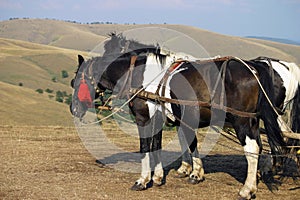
{"x": 118, "y": 45}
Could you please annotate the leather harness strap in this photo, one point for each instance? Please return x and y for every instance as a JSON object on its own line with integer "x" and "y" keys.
{"x": 163, "y": 82}
{"x": 127, "y": 83}
{"x": 157, "y": 98}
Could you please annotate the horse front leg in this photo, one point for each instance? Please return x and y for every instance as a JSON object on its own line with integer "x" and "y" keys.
{"x": 157, "y": 125}
{"x": 197, "y": 174}
{"x": 186, "y": 166}
{"x": 150, "y": 146}
{"x": 158, "y": 167}
{"x": 251, "y": 150}
{"x": 145, "y": 143}
{"x": 248, "y": 135}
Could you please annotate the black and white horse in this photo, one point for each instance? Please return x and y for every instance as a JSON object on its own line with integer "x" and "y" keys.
{"x": 201, "y": 97}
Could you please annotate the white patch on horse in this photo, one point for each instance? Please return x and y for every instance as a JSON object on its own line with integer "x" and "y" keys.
{"x": 146, "y": 171}
{"x": 290, "y": 81}
{"x": 154, "y": 68}
{"x": 251, "y": 150}
{"x": 158, "y": 174}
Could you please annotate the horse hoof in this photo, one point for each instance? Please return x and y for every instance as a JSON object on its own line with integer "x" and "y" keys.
{"x": 137, "y": 187}
{"x": 253, "y": 196}
{"x": 180, "y": 175}
{"x": 158, "y": 184}
{"x": 195, "y": 180}
{"x": 100, "y": 164}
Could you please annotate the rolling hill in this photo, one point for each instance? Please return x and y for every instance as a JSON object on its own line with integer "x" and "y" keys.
{"x": 33, "y": 53}
{"x": 26, "y": 67}
{"x": 85, "y": 37}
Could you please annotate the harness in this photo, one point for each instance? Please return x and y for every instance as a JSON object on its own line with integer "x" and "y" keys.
{"x": 161, "y": 99}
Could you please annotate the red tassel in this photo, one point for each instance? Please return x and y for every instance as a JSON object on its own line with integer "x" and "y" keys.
{"x": 84, "y": 93}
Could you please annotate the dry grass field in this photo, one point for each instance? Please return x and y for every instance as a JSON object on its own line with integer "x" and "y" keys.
{"x": 50, "y": 162}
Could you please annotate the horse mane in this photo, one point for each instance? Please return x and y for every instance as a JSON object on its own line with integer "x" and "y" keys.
{"x": 119, "y": 44}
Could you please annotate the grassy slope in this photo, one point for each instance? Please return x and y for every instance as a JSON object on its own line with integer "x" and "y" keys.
{"x": 33, "y": 65}
{"x": 23, "y": 106}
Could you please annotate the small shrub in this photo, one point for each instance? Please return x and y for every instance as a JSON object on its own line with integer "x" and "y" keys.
{"x": 48, "y": 90}
{"x": 64, "y": 74}
{"x": 68, "y": 100}
{"x": 59, "y": 97}
{"x": 39, "y": 91}
{"x": 54, "y": 79}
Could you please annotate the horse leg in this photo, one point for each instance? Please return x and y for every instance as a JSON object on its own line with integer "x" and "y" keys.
{"x": 144, "y": 128}
{"x": 197, "y": 174}
{"x": 156, "y": 149}
{"x": 150, "y": 132}
{"x": 186, "y": 164}
{"x": 190, "y": 120}
{"x": 145, "y": 177}
{"x": 248, "y": 134}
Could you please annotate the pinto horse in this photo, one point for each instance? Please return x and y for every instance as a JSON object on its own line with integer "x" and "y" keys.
{"x": 190, "y": 95}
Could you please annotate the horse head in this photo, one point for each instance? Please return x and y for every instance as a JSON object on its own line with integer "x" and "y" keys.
{"x": 108, "y": 72}
{"x": 85, "y": 87}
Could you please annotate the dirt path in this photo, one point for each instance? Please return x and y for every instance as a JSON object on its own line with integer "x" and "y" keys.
{"x": 52, "y": 163}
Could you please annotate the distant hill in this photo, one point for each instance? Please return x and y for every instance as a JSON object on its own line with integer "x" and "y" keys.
{"x": 34, "y": 52}
{"x": 280, "y": 40}
{"x": 85, "y": 37}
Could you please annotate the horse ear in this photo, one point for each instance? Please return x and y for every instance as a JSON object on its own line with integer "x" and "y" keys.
{"x": 80, "y": 60}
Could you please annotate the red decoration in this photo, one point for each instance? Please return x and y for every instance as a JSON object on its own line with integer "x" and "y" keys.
{"x": 84, "y": 93}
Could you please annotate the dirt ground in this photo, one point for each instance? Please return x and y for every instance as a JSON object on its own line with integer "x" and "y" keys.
{"x": 52, "y": 163}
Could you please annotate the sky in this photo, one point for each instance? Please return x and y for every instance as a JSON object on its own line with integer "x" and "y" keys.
{"x": 269, "y": 18}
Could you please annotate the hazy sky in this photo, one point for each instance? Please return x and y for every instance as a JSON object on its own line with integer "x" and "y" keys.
{"x": 272, "y": 18}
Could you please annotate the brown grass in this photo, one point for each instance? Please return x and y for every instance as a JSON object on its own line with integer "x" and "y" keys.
{"x": 50, "y": 162}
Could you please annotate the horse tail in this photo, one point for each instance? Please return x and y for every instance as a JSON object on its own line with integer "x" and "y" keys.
{"x": 295, "y": 117}
{"x": 267, "y": 113}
